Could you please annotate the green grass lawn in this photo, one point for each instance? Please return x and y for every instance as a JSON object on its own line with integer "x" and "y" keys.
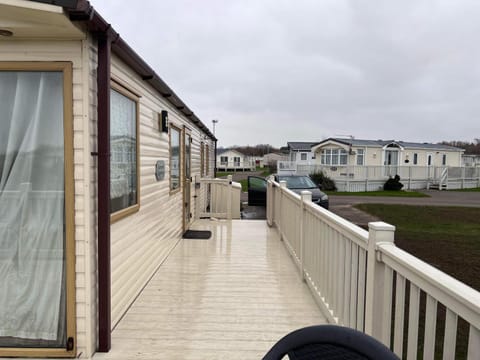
{"x": 445, "y": 237}
{"x": 244, "y": 184}
{"x": 379, "y": 193}
{"x": 223, "y": 174}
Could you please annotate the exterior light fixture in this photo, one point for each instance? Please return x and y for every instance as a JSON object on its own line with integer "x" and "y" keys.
{"x": 164, "y": 121}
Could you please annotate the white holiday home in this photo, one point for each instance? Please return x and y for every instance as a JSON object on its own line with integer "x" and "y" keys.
{"x": 97, "y": 158}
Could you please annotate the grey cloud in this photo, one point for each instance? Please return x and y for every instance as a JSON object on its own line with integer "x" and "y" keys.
{"x": 277, "y": 71}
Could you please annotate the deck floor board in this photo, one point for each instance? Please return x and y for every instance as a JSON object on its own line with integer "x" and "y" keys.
{"x": 230, "y": 297}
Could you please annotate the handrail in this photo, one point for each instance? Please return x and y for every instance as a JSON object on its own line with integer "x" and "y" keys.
{"x": 443, "y": 287}
{"x": 219, "y": 198}
{"x": 359, "y": 279}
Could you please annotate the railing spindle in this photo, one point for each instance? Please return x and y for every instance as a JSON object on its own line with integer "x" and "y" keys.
{"x": 450, "y": 339}
{"x": 473, "y": 343}
{"x": 399, "y": 315}
{"x": 430, "y": 328}
{"x": 413, "y": 318}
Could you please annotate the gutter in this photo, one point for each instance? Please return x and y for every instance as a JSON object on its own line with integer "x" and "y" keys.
{"x": 109, "y": 41}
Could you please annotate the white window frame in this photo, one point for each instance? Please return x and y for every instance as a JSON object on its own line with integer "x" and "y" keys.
{"x": 360, "y": 156}
{"x": 334, "y": 157}
{"x": 236, "y": 161}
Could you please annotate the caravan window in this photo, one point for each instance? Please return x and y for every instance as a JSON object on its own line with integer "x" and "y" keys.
{"x": 334, "y": 157}
{"x": 360, "y": 156}
{"x": 174, "y": 158}
{"x": 124, "y": 153}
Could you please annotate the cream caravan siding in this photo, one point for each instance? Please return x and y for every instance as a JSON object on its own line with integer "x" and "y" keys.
{"x": 71, "y": 51}
{"x": 140, "y": 242}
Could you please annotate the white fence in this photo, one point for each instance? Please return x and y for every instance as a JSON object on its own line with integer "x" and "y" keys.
{"x": 371, "y": 178}
{"x": 219, "y": 198}
{"x": 362, "y": 280}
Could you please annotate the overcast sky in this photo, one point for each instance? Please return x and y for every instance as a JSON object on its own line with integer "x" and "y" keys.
{"x": 273, "y": 71}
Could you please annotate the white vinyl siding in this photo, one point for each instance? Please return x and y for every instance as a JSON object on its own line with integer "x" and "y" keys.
{"x": 141, "y": 242}
{"x": 72, "y": 51}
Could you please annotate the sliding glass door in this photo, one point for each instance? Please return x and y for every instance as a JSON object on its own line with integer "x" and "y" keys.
{"x": 36, "y": 214}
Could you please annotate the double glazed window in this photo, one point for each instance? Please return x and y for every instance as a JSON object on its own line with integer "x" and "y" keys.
{"x": 37, "y": 287}
{"x": 360, "y": 156}
{"x": 334, "y": 157}
{"x": 224, "y": 160}
{"x": 174, "y": 158}
{"x": 124, "y": 153}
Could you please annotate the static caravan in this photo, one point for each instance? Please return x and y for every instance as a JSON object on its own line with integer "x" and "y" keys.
{"x": 301, "y": 152}
{"x": 357, "y": 152}
{"x": 234, "y": 160}
{"x": 97, "y": 157}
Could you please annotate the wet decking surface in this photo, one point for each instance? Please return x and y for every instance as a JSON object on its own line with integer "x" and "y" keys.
{"x": 230, "y": 297}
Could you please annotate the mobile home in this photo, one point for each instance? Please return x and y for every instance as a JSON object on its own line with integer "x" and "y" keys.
{"x": 97, "y": 157}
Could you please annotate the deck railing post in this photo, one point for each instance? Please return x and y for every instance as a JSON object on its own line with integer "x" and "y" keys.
{"x": 283, "y": 185}
{"x": 229, "y": 197}
{"x": 375, "y": 306}
{"x": 305, "y": 197}
{"x": 270, "y": 203}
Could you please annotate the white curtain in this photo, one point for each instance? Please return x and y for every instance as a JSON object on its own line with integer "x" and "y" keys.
{"x": 31, "y": 207}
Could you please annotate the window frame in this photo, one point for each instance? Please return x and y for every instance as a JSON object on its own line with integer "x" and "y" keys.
{"x": 207, "y": 160}
{"x": 66, "y": 68}
{"x": 121, "y": 214}
{"x": 415, "y": 158}
{"x": 223, "y": 161}
{"x": 303, "y": 155}
{"x": 236, "y": 161}
{"x": 180, "y": 152}
{"x": 360, "y": 155}
{"x": 202, "y": 155}
{"x": 329, "y": 154}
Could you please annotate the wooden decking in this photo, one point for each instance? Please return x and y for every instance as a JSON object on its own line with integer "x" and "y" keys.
{"x": 230, "y": 297}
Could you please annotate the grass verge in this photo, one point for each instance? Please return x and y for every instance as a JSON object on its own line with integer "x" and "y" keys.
{"x": 444, "y": 237}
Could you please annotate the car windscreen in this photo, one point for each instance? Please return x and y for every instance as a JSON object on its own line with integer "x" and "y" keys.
{"x": 298, "y": 182}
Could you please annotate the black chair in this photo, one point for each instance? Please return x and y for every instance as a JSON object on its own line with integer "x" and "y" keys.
{"x": 329, "y": 342}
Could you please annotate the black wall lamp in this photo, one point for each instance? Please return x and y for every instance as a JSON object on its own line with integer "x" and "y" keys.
{"x": 164, "y": 121}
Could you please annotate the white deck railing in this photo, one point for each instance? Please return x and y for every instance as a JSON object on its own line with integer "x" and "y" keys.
{"x": 362, "y": 280}
{"x": 218, "y": 198}
{"x": 369, "y": 178}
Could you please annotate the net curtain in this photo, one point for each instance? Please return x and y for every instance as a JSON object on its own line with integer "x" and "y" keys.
{"x": 32, "y": 226}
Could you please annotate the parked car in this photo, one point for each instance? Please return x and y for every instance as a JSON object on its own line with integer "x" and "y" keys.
{"x": 257, "y": 189}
